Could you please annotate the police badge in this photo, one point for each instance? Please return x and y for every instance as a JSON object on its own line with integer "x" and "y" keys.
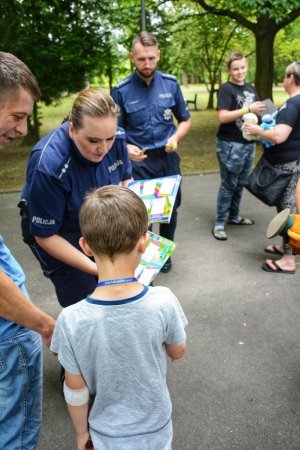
{"x": 167, "y": 114}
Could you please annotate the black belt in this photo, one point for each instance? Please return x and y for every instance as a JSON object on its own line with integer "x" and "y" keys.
{"x": 155, "y": 151}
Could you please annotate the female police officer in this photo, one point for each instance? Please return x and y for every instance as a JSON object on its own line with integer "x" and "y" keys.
{"x": 85, "y": 152}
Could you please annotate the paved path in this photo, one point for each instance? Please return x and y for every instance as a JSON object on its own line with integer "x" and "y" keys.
{"x": 238, "y": 387}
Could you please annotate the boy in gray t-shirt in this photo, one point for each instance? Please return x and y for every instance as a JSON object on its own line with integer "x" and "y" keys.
{"x": 113, "y": 344}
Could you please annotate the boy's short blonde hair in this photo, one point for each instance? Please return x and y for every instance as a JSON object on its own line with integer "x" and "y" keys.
{"x": 112, "y": 219}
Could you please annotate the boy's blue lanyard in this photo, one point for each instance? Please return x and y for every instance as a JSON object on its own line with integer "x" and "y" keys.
{"x": 116, "y": 281}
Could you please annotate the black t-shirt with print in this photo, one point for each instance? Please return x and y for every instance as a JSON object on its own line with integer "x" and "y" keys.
{"x": 231, "y": 97}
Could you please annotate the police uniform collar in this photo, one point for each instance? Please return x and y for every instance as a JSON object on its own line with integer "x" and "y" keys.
{"x": 141, "y": 81}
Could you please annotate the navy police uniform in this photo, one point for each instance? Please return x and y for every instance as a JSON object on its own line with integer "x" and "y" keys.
{"x": 147, "y": 117}
{"x": 58, "y": 178}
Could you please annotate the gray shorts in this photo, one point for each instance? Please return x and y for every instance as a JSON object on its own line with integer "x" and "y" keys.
{"x": 159, "y": 440}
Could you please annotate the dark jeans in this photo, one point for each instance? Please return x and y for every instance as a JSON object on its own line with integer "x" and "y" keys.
{"x": 235, "y": 161}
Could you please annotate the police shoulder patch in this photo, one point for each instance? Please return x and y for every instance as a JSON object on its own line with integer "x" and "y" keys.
{"x": 123, "y": 82}
{"x": 120, "y": 133}
{"x": 168, "y": 76}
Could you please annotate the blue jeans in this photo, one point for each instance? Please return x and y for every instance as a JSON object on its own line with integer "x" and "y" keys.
{"x": 20, "y": 391}
{"x": 235, "y": 161}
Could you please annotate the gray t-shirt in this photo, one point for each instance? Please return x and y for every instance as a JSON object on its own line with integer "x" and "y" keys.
{"x": 118, "y": 348}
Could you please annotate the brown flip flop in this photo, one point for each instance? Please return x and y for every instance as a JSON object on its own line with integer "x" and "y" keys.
{"x": 265, "y": 266}
{"x": 273, "y": 250}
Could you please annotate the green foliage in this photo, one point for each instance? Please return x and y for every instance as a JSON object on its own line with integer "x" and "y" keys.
{"x": 70, "y": 43}
{"x": 198, "y": 44}
{"x": 264, "y": 18}
{"x": 276, "y": 10}
{"x": 286, "y": 49}
{"x": 60, "y": 40}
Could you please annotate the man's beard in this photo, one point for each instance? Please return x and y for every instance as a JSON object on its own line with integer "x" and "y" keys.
{"x": 147, "y": 75}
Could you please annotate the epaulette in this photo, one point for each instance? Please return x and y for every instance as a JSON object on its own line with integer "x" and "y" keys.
{"x": 120, "y": 133}
{"x": 169, "y": 76}
{"x": 123, "y": 82}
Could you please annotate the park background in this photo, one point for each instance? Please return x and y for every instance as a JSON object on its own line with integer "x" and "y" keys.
{"x": 197, "y": 149}
{"x": 70, "y": 44}
{"x": 238, "y": 385}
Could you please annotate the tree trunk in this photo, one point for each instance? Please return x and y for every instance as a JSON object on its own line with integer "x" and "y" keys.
{"x": 264, "y": 59}
{"x": 213, "y": 77}
{"x": 211, "y": 95}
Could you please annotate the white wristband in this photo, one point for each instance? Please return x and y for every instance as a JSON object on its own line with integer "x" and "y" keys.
{"x": 76, "y": 397}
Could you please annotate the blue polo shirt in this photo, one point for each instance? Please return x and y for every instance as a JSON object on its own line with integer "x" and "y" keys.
{"x": 13, "y": 270}
{"x": 147, "y": 111}
{"x": 59, "y": 177}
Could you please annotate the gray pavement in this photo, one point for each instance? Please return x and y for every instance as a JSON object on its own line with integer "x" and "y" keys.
{"x": 238, "y": 386}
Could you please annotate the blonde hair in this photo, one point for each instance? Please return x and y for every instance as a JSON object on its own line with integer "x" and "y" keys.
{"x": 15, "y": 74}
{"x": 112, "y": 219}
{"x": 93, "y": 102}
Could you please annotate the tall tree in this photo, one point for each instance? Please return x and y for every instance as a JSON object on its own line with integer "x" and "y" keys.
{"x": 60, "y": 40}
{"x": 210, "y": 38}
{"x": 264, "y": 18}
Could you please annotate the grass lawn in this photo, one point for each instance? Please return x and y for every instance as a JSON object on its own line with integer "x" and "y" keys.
{"x": 197, "y": 149}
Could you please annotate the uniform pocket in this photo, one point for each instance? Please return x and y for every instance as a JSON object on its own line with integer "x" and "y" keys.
{"x": 137, "y": 113}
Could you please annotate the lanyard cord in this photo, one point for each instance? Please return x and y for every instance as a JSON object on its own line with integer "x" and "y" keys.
{"x": 116, "y": 281}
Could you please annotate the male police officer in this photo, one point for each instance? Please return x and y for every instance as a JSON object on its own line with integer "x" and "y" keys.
{"x": 148, "y": 99}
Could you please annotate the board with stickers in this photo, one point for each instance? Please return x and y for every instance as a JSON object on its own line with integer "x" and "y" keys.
{"x": 158, "y": 250}
{"x": 158, "y": 195}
